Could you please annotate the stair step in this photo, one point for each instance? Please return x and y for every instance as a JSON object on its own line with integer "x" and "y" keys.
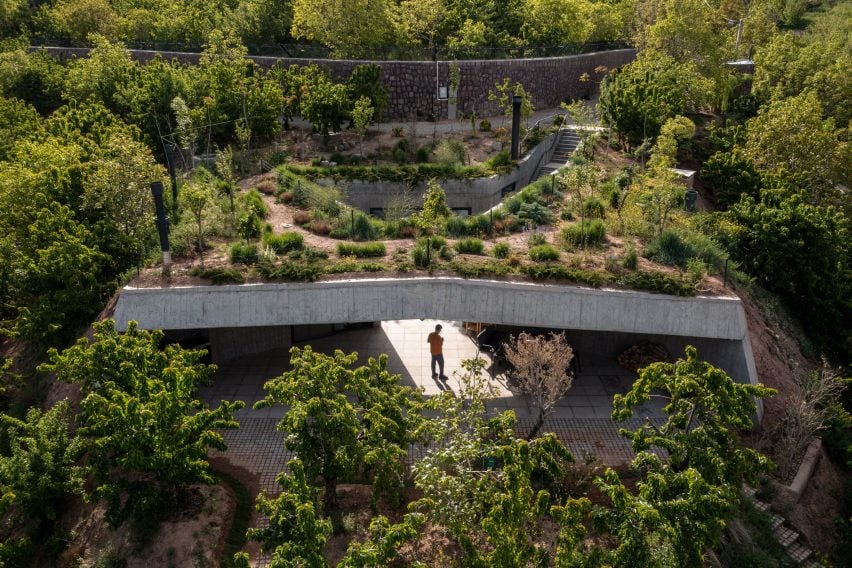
{"x": 799, "y": 552}
{"x": 761, "y": 506}
{"x": 749, "y": 491}
{"x": 811, "y": 563}
{"x": 777, "y": 520}
{"x": 785, "y": 536}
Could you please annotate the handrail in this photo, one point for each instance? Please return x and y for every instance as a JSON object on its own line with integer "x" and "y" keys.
{"x": 552, "y": 143}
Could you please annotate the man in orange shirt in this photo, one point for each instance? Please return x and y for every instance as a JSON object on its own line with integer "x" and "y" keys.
{"x": 436, "y": 347}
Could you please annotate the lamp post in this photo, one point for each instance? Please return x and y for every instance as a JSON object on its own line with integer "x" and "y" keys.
{"x": 162, "y": 226}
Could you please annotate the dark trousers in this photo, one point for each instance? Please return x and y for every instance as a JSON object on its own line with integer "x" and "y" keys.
{"x": 439, "y": 359}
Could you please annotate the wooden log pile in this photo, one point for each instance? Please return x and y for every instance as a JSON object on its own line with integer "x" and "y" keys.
{"x": 642, "y": 355}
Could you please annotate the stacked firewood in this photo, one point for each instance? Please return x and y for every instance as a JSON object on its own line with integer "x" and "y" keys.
{"x": 642, "y": 355}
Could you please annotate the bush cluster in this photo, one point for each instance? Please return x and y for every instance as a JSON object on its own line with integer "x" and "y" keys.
{"x": 470, "y": 246}
{"x": 589, "y": 233}
{"x": 284, "y": 242}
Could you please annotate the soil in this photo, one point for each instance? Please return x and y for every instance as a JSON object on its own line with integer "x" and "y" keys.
{"x": 820, "y": 504}
{"x": 192, "y": 537}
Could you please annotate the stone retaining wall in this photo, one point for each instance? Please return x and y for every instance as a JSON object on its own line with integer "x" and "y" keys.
{"x": 413, "y": 85}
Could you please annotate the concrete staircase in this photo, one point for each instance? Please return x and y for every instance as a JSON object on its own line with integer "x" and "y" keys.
{"x": 565, "y": 146}
{"x": 797, "y": 550}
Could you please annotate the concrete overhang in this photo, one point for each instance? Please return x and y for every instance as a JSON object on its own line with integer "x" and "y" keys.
{"x": 448, "y": 298}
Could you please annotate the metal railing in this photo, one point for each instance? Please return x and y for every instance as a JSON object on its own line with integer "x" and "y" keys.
{"x": 373, "y": 53}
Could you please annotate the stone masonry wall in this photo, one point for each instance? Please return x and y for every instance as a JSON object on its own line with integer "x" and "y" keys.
{"x": 412, "y": 85}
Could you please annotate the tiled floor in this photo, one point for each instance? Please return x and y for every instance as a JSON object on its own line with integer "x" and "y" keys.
{"x": 581, "y": 418}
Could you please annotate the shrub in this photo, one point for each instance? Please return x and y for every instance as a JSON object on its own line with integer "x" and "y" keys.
{"x": 484, "y": 125}
{"x": 400, "y": 152}
{"x": 450, "y": 153}
{"x": 219, "y": 275}
{"x": 365, "y": 250}
{"x": 543, "y": 253}
{"x": 658, "y": 282}
{"x": 249, "y": 225}
{"x": 534, "y": 213}
{"x": 593, "y": 233}
{"x": 446, "y": 253}
{"x": 500, "y": 160}
{"x": 320, "y": 227}
{"x": 560, "y": 272}
{"x": 478, "y": 225}
{"x": 363, "y": 228}
{"x": 243, "y": 253}
{"x": 535, "y": 239}
{"x": 501, "y": 250}
{"x": 421, "y": 257}
{"x": 594, "y": 208}
{"x": 729, "y": 175}
{"x": 295, "y": 271}
{"x": 436, "y": 241}
{"x": 470, "y": 246}
{"x": 423, "y": 154}
{"x": 501, "y": 133}
{"x": 513, "y": 204}
{"x": 267, "y": 186}
{"x": 397, "y": 131}
{"x": 252, "y": 200}
{"x": 631, "y": 257}
{"x": 567, "y": 215}
{"x": 301, "y": 218}
{"x": 285, "y": 242}
{"x": 670, "y": 248}
{"x": 455, "y": 226}
{"x": 341, "y": 232}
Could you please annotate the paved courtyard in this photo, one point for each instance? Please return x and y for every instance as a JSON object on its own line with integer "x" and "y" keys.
{"x": 581, "y": 418}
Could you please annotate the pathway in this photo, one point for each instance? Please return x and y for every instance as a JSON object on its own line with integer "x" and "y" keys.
{"x": 581, "y": 418}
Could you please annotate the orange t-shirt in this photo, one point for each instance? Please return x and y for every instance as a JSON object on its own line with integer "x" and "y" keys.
{"x": 436, "y": 342}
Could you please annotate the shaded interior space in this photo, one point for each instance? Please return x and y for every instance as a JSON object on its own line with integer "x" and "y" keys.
{"x": 581, "y": 419}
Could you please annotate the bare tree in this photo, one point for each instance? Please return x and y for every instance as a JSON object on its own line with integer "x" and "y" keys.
{"x": 542, "y": 369}
{"x": 806, "y": 413}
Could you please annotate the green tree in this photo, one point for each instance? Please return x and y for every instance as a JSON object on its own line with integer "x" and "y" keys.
{"x": 147, "y": 434}
{"x": 18, "y": 121}
{"x": 636, "y": 99}
{"x": 333, "y": 435}
{"x": 40, "y": 468}
{"x": 680, "y": 506}
{"x": 555, "y": 22}
{"x": 381, "y": 547}
{"x": 105, "y": 76}
{"x": 788, "y": 64}
{"x": 197, "y": 196}
{"x": 790, "y": 139}
{"x": 297, "y": 532}
{"x": 730, "y": 175}
{"x": 768, "y": 233}
{"x": 503, "y": 93}
{"x": 56, "y": 282}
{"x": 362, "y": 114}
{"x": 674, "y": 131}
{"x": 347, "y": 27}
{"x": 435, "y": 209}
{"x": 324, "y": 104}
{"x": 365, "y": 81}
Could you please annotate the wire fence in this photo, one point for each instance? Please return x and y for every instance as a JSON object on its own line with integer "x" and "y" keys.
{"x": 373, "y": 53}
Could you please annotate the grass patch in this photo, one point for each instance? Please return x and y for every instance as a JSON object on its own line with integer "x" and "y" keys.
{"x": 219, "y": 275}
{"x": 236, "y": 537}
{"x": 284, "y": 242}
{"x": 543, "y": 253}
{"x": 470, "y": 246}
{"x": 365, "y": 250}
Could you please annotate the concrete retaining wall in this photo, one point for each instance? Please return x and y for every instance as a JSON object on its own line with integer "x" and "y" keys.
{"x": 413, "y": 85}
{"x": 478, "y": 195}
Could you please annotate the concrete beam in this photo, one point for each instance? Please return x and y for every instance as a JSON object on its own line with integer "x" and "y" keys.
{"x": 456, "y": 299}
